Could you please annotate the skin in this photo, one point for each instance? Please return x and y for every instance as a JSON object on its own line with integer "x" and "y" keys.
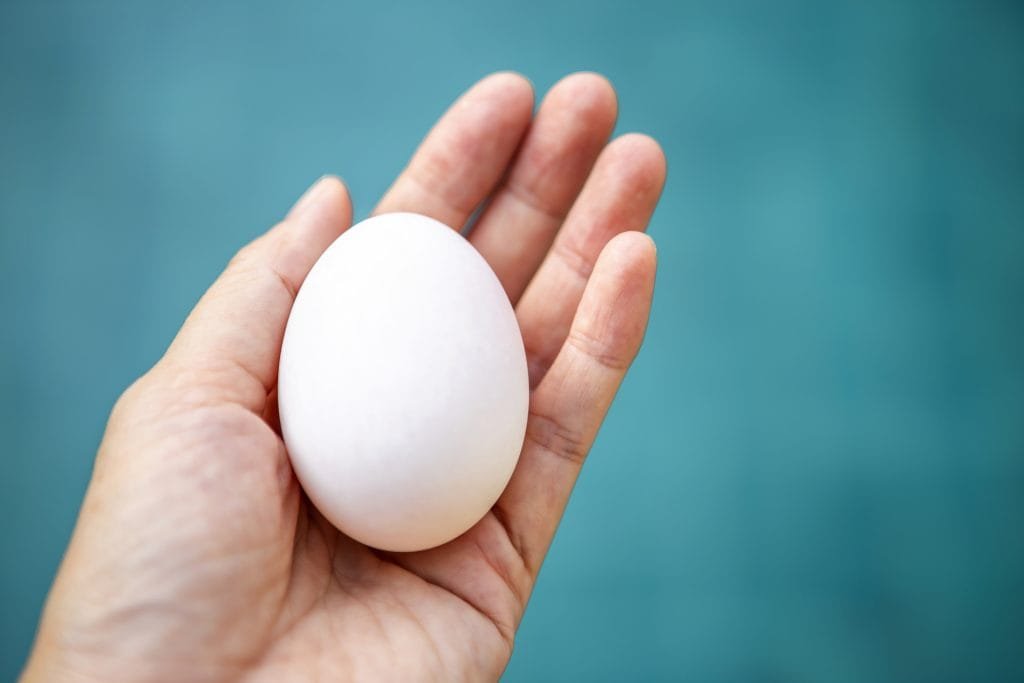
{"x": 196, "y": 556}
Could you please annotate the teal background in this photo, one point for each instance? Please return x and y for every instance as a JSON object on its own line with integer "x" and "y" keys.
{"x": 815, "y": 471}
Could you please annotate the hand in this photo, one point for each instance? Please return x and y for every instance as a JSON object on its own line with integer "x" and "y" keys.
{"x": 196, "y": 557}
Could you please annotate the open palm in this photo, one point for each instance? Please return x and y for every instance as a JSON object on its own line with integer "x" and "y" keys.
{"x": 196, "y": 556}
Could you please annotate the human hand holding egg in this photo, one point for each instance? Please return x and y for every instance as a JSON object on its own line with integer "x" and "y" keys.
{"x": 197, "y": 555}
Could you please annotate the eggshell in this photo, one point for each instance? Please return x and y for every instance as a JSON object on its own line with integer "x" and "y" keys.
{"x": 403, "y": 389}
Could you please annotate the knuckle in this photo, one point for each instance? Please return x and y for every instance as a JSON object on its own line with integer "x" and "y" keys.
{"x": 244, "y": 256}
{"x": 253, "y": 252}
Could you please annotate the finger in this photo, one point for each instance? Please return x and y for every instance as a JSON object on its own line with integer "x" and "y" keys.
{"x": 619, "y": 195}
{"x": 521, "y": 219}
{"x": 568, "y": 406}
{"x": 231, "y": 341}
{"x": 466, "y": 153}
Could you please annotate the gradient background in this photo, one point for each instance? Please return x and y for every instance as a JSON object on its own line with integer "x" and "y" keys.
{"x": 815, "y": 471}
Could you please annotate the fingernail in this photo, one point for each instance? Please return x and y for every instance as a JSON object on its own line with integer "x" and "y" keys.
{"x": 309, "y": 197}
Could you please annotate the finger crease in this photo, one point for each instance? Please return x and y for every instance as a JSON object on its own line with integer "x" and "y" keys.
{"x": 501, "y": 570}
{"x": 513, "y": 538}
{"x": 288, "y": 285}
{"x": 264, "y": 384}
{"x": 530, "y": 200}
{"x": 553, "y": 436}
{"x": 573, "y": 258}
{"x": 596, "y": 350}
{"x": 447, "y": 204}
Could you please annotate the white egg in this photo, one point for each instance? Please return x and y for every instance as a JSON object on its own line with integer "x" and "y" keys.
{"x": 403, "y": 388}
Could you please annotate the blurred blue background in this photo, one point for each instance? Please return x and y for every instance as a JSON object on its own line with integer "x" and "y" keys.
{"x": 815, "y": 471}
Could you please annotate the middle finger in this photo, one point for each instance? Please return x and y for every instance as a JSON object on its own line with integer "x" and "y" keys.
{"x": 520, "y": 222}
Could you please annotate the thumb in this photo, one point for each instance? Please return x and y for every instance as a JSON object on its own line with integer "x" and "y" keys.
{"x": 229, "y": 346}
